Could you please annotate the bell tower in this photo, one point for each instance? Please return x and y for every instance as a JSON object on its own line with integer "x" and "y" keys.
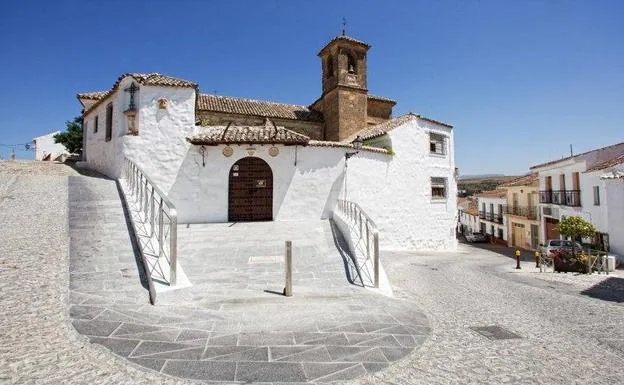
{"x": 345, "y": 92}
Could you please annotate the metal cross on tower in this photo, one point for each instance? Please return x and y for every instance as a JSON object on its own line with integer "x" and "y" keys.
{"x": 344, "y": 26}
{"x": 132, "y": 89}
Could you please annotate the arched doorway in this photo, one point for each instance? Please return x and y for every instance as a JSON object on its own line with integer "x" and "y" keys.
{"x": 250, "y": 195}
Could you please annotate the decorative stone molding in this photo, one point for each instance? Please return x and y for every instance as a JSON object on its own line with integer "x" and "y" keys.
{"x": 131, "y": 117}
{"x": 273, "y": 151}
{"x": 228, "y": 151}
{"x": 163, "y": 103}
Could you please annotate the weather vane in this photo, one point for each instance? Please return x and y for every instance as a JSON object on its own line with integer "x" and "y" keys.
{"x": 344, "y": 26}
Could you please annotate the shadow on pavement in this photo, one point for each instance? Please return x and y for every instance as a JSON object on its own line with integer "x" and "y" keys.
{"x": 509, "y": 252}
{"x": 611, "y": 289}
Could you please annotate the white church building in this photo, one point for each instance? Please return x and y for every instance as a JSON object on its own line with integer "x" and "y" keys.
{"x": 228, "y": 159}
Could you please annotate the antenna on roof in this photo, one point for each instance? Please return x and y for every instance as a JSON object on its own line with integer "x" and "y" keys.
{"x": 344, "y": 26}
{"x": 571, "y": 153}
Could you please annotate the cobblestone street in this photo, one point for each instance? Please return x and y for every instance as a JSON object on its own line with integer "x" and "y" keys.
{"x": 571, "y": 327}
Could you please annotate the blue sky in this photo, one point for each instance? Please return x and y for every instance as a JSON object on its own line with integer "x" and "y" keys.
{"x": 520, "y": 80}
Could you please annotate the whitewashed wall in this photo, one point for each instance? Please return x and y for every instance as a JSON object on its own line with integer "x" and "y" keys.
{"x": 161, "y": 146}
{"x": 45, "y": 145}
{"x": 396, "y": 190}
{"x": 307, "y": 190}
{"x": 614, "y": 202}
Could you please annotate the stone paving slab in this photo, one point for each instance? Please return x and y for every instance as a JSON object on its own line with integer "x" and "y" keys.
{"x": 231, "y": 325}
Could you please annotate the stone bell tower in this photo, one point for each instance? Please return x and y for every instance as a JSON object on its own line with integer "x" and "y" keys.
{"x": 344, "y": 99}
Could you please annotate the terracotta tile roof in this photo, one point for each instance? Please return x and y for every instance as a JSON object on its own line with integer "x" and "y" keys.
{"x": 387, "y": 126}
{"x": 232, "y": 105}
{"x": 149, "y": 79}
{"x": 527, "y": 180}
{"x": 381, "y": 98}
{"x": 613, "y": 146}
{"x": 324, "y": 143}
{"x": 345, "y": 38}
{"x": 613, "y": 175}
{"x": 97, "y": 95}
{"x": 468, "y": 205}
{"x": 498, "y": 193}
{"x": 216, "y": 135}
{"x": 609, "y": 163}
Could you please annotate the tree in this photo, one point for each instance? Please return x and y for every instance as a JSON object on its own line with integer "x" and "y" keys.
{"x": 576, "y": 227}
{"x": 72, "y": 138}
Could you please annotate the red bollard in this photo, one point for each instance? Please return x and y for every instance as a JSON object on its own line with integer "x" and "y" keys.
{"x": 517, "y": 259}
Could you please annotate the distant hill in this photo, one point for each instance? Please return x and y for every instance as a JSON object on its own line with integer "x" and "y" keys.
{"x": 480, "y": 176}
{"x": 497, "y": 179}
{"x": 471, "y": 185}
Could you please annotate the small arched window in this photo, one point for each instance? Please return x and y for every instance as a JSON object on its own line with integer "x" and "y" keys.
{"x": 351, "y": 64}
{"x": 329, "y": 67}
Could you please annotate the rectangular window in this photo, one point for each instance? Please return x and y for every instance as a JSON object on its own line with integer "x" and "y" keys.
{"x": 596, "y": 195}
{"x": 436, "y": 143}
{"x": 109, "y": 122}
{"x": 500, "y": 233}
{"x": 438, "y": 188}
{"x": 95, "y": 124}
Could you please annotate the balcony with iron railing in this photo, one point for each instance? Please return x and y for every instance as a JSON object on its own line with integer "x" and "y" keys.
{"x": 570, "y": 198}
{"x": 522, "y": 211}
{"x": 491, "y": 217}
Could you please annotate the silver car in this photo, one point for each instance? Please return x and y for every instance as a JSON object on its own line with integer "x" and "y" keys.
{"x": 476, "y": 237}
{"x": 558, "y": 244}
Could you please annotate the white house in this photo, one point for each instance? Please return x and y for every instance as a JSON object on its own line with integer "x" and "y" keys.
{"x": 468, "y": 216}
{"x": 223, "y": 159}
{"x": 46, "y": 149}
{"x": 574, "y": 186}
{"x": 614, "y": 207}
{"x": 491, "y": 214}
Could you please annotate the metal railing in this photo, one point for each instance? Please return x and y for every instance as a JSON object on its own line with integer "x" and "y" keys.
{"x": 522, "y": 211}
{"x": 561, "y": 197}
{"x": 367, "y": 231}
{"x": 160, "y": 218}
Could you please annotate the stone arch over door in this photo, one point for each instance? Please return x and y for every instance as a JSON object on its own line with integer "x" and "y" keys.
{"x": 250, "y": 193}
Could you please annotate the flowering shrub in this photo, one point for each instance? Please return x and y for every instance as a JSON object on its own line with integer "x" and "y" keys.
{"x": 565, "y": 260}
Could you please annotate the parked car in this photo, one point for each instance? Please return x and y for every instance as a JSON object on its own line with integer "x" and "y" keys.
{"x": 558, "y": 244}
{"x": 476, "y": 237}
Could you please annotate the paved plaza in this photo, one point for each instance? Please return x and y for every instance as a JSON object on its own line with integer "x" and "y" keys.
{"x": 86, "y": 319}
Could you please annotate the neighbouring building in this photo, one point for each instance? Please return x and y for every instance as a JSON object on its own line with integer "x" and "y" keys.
{"x": 573, "y": 186}
{"x": 614, "y": 201}
{"x": 468, "y": 214}
{"x": 222, "y": 158}
{"x": 491, "y": 214}
{"x": 46, "y": 149}
{"x": 521, "y": 212}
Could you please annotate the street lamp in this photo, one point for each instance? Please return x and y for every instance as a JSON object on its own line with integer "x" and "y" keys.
{"x": 357, "y": 145}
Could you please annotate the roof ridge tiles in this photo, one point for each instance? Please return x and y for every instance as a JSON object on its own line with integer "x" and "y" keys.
{"x": 240, "y": 98}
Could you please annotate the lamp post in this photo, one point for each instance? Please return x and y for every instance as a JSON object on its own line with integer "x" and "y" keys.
{"x": 357, "y": 145}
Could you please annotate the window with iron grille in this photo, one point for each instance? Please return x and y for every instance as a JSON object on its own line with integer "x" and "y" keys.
{"x": 437, "y": 144}
{"x": 109, "y": 122}
{"x": 438, "y": 188}
{"x": 95, "y": 124}
{"x": 596, "y": 195}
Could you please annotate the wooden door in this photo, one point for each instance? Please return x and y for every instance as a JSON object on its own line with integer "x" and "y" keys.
{"x": 518, "y": 235}
{"x": 250, "y": 195}
{"x": 551, "y": 228}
